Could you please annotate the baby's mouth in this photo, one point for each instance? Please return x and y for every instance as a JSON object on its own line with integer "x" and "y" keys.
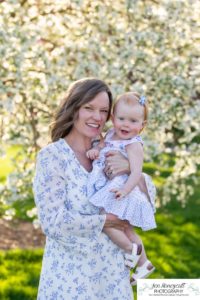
{"x": 124, "y": 131}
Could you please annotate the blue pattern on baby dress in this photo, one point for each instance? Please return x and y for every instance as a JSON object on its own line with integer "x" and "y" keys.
{"x": 135, "y": 207}
{"x": 80, "y": 262}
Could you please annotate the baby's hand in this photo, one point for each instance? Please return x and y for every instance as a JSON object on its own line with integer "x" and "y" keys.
{"x": 119, "y": 194}
{"x": 92, "y": 154}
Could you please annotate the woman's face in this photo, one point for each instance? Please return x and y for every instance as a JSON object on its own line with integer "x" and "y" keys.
{"x": 92, "y": 116}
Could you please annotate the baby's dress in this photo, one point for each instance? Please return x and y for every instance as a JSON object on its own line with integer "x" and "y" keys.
{"x": 134, "y": 207}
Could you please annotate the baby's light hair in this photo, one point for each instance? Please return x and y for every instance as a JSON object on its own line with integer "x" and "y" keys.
{"x": 132, "y": 98}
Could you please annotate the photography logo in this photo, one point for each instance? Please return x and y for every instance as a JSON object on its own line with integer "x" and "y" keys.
{"x": 168, "y": 289}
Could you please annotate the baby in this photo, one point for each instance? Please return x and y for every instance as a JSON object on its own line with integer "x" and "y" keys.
{"x": 121, "y": 195}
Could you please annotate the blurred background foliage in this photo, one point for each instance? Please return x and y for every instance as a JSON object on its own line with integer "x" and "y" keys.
{"x": 149, "y": 46}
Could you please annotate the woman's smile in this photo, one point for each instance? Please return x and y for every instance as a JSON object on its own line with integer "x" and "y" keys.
{"x": 93, "y": 125}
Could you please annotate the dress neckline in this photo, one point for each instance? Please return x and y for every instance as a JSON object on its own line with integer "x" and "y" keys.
{"x": 74, "y": 155}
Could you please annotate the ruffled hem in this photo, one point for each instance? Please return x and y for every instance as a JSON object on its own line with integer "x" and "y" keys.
{"x": 135, "y": 207}
{"x": 132, "y": 219}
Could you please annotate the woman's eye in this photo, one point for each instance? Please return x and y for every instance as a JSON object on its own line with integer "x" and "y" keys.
{"x": 104, "y": 111}
{"x": 88, "y": 108}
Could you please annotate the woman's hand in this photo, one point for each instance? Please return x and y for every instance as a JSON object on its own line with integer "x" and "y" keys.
{"x": 114, "y": 222}
{"x": 116, "y": 164}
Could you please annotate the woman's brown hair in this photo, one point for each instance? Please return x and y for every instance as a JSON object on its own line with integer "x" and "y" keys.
{"x": 79, "y": 93}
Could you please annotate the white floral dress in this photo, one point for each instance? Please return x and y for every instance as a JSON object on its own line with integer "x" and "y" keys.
{"x": 135, "y": 207}
{"x": 80, "y": 262}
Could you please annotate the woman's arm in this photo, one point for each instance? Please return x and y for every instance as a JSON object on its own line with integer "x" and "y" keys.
{"x": 59, "y": 220}
{"x": 113, "y": 222}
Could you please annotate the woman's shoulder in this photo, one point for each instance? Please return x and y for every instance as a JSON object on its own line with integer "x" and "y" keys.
{"x": 54, "y": 148}
{"x": 55, "y": 156}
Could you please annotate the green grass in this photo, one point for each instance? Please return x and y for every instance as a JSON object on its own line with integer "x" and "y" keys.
{"x": 173, "y": 248}
{"x": 19, "y": 274}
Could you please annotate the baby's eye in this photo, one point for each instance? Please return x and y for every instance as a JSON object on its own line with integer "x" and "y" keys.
{"x": 104, "y": 111}
{"x": 121, "y": 119}
{"x": 133, "y": 121}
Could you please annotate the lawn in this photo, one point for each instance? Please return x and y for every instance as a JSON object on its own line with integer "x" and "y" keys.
{"x": 173, "y": 248}
{"x": 19, "y": 273}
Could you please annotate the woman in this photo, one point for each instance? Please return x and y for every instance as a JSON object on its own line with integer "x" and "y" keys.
{"x": 80, "y": 261}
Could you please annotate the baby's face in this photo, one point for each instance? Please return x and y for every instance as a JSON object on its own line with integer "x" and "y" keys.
{"x": 128, "y": 120}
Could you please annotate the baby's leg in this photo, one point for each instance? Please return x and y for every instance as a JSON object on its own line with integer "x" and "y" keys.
{"x": 120, "y": 239}
{"x": 144, "y": 266}
{"x": 135, "y": 238}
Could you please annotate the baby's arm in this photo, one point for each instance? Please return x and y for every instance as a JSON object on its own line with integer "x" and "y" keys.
{"x": 135, "y": 157}
{"x": 94, "y": 152}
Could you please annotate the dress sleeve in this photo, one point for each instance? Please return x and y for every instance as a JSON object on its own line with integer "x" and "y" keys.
{"x": 135, "y": 139}
{"x": 58, "y": 220}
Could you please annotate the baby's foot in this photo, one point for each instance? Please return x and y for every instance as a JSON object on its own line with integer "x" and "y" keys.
{"x": 142, "y": 272}
{"x": 132, "y": 259}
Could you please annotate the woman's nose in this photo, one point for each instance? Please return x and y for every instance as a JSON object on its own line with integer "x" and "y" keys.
{"x": 97, "y": 115}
